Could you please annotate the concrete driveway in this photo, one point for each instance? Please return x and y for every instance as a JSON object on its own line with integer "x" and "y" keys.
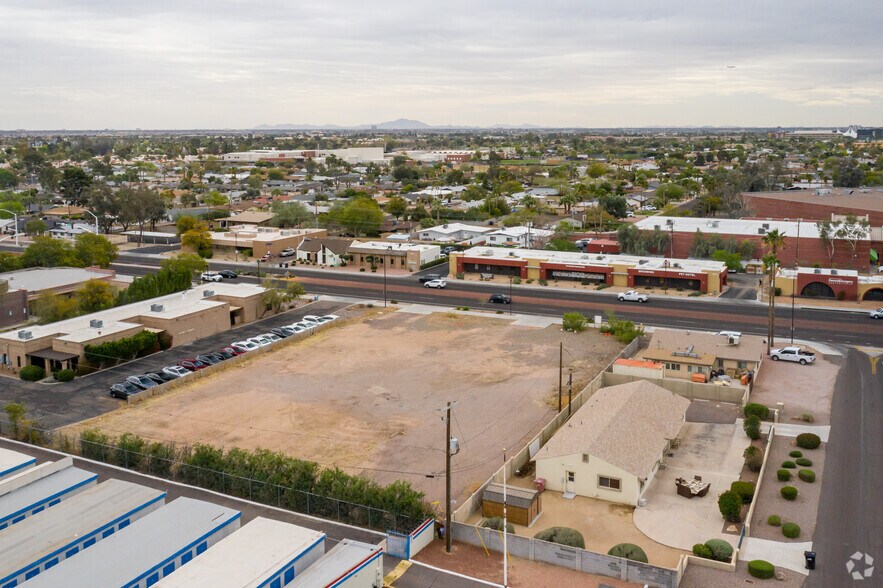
{"x": 803, "y": 388}
{"x": 712, "y": 451}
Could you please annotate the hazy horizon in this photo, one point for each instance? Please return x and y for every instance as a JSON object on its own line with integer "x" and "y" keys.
{"x": 566, "y": 64}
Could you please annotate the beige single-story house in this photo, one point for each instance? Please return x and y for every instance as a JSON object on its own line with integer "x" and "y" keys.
{"x": 323, "y": 251}
{"x": 612, "y": 447}
{"x": 685, "y": 353}
{"x": 262, "y": 240}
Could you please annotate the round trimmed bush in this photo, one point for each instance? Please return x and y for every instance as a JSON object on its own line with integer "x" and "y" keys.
{"x": 761, "y": 569}
{"x": 628, "y": 551}
{"x": 751, "y": 426}
{"x": 774, "y": 520}
{"x": 32, "y": 373}
{"x": 753, "y": 458}
{"x": 64, "y": 375}
{"x": 744, "y": 489}
{"x": 795, "y": 453}
{"x": 783, "y": 475}
{"x": 562, "y": 536}
{"x": 730, "y": 505}
{"x": 807, "y": 476}
{"x": 720, "y": 549}
{"x": 803, "y": 462}
{"x": 791, "y": 530}
{"x": 808, "y": 441}
{"x": 761, "y": 411}
{"x": 789, "y": 464}
{"x": 789, "y": 492}
{"x": 702, "y": 550}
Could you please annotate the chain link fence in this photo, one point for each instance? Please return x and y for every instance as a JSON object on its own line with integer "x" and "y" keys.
{"x": 155, "y": 464}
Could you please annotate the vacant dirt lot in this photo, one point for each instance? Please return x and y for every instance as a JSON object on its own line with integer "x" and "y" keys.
{"x": 365, "y": 395}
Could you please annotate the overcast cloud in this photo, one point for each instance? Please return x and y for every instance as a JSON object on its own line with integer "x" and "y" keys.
{"x": 237, "y": 63}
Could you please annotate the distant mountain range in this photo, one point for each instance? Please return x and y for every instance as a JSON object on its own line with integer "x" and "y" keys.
{"x": 400, "y": 124}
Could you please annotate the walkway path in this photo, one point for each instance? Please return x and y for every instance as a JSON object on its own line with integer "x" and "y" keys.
{"x": 778, "y": 553}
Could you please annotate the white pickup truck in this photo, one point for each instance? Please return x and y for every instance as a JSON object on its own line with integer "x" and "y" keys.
{"x": 793, "y": 354}
{"x": 633, "y": 296}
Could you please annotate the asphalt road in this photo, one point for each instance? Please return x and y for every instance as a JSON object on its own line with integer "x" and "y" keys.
{"x": 850, "y": 516}
{"x": 747, "y": 316}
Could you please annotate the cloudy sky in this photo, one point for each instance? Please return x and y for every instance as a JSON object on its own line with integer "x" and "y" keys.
{"x": 237, "y": 63}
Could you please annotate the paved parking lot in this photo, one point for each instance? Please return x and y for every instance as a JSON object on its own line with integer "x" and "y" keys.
{"x": 58, "y": 405}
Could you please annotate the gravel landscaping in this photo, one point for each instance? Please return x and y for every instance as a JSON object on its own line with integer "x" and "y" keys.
{"x": 702, "y": 577}
{"x": 804, "y": 509}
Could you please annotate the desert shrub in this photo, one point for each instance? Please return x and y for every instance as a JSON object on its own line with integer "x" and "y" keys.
{"x": 791, "y": 530}
{"x": 808, "y": 441}
{"x": 795, "y": 453}
{"x": 628, "y": 551}
{"x": 496, "y": 523}
{"x": 542, "y": 282}
{"x": 753, "y": 458}
{"x": 807, "y": 417}
{"x": 789, "y": 492}
{"x": 720, "y": 549}
{"x": 730, "y": 505}
{"x": 574, "y": 322}
{"x": 32, "y": 373}
{"x": 761, "y": 411}
{"x": 751, "y": 426}
{"x": 774, "y": 520}
{"x": 64, "y": 375}
{"x": 783, "y": 475}
{"x": 788, "y": 464}
{"x": 624, "y": 331}
{"x": 702, "y": 550}
{"x": 761, "y": 569}
{"x": 803, "y": 462}
{"x": 807, "y": 475}
{"x": 743, "y": 489}
{"x": 562, "y": 536}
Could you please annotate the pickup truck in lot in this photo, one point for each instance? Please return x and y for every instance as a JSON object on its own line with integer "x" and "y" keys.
{"x": 795, "y": 354}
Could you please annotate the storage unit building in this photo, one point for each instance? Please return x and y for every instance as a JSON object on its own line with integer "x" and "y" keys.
{"x": 40, "y": 494}
{"x": 351, "y": 564}
{"x": 262, "y": 554}
{"x": 147, "y": 550}
{"x": 523, "y": 504}
{"x": 44, "y": 540}
{"x": 12, "y": 462}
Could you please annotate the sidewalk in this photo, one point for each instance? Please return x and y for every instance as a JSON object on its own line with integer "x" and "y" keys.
{"x": 786, "y": 555}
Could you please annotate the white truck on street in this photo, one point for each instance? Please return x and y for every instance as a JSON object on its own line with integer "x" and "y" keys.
{"x": 796, "y": 354}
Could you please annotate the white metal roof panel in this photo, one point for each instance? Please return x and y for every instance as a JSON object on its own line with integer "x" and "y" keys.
{"x": 12, "y": 462}
{"x": 346, "y": 558}
{"x": 135, "y": 551}
{"x": 249, "y": 556}
{"x": 44, "y": 490}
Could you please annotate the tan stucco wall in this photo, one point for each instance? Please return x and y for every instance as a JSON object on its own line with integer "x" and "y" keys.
{"x": 714, "y": 282}
{"x": 78, "y": 347}
{"x": 554, "y": 470}
{"x": 786, "y": 284}
{"x": 189, "y": 328}
{"x": 621, "y": 275}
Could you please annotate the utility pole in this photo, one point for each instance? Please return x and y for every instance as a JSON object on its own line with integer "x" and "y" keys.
{"x": 505, "y": 534}
{"x": 569, "y": 392}
{"x": 794, "y": 283}
{"x": 448, "y": 533}
{"x": 560, "y": 370}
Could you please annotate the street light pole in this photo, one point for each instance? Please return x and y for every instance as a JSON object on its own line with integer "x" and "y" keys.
{"x": 448, "y": 534}
{"x": 385, "y": 262}
{"x": 794, "y": 283}
{"x": 95, "y": 217}
{"x": 14, "y": 222}
{"x": 510, "y": 294}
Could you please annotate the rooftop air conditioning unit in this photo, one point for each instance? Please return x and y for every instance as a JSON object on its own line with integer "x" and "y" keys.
{"x": 657, "y": 227}
{"x": 817, "y": 271}
{"x": 733, "y": 340}
{"x": 208, "y": 293}
{"x": 670, "y": 222}
{"x": 766, "y": 226}
{"x": 25, "y": 335}
{"x": 511, "y": 254}
{"x": 833, "y": 272}
{"x": 96, "y": 323}
{"x": 761, "y": 231}
{"x": 675, "y": 265}
{"x": 157, "y": 308}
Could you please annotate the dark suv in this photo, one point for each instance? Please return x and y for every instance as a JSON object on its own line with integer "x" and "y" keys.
{"x": 429, "y": 278}
{"x": 499, "y": 299}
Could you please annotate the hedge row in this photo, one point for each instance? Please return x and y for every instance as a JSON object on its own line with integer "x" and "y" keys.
{"x": 112, "y": 352}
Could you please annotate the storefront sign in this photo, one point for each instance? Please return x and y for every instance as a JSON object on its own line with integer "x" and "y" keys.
{"x": 578, "y": 275}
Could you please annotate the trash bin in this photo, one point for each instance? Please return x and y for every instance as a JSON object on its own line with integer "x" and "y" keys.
{"x": 540, "y": 483}
{"x": 810, "y": 557}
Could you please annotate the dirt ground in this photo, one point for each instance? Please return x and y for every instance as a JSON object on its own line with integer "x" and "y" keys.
{"x": 366, "y": 394}
{"x": 804, "y": 509}
{"x": 803, "y": 388}
{"x": 476, "y": 562}
{"x": 702, "y": 577}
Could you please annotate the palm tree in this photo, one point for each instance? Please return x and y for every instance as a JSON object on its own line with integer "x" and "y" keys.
{"x": 772, "y": 241}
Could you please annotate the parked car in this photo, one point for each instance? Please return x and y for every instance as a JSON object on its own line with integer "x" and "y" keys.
{"x": 210, "y": 277}
{"x": 629, "y": 214}
{"x": 273, "y": 337}
{"x": 287, "y": 252}
{"x": 795, "y": 354}
{"x": 266, "y": 257}
{"x": 329, "y": 317}
{"x": 499, "y": 299}
{"x": 310, "y": 318}
{"x": 633, "y": 296}
{"x": 192, "y": 364}
{"x": 228, "y": 274}
{"x": 429, "y": 278}
{"x": 305, "y": 325}
{"x": 730, "y": 333}
{"x": 142, "y": 381}
{"x": 175, "y": 370}
{"x": 207, "y": 359}
{"x": 159, "y": 377}
{"x": 296, "y": 328}
{"x": 259, "y": 341}
{"x": 228, "y": 352}
{"x": 448, "y": 250}
{"x": 877, "y": 314}
{"x": 244, "y": 346}
{"x": 435, "y": 284}
{"x": 123, "y": 390}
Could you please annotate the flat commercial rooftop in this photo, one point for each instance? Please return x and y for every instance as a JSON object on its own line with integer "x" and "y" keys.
{"x": 12, "y": 462}
{"x": 43, "y": 491}
{"x": 51, "y": 532}
{"x": 141, "y": 548}
{"x": 580, "y": 259}
{"x": 346, "y": 559}
{"x": 250, "y": 556}
{"x": 37, "y": 279}
{"x": 729, "y": 226}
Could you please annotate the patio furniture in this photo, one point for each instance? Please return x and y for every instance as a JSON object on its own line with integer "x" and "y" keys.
{"x": 692, "y": 488}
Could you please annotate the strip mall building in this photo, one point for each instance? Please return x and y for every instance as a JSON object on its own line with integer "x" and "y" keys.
{"x": 627, "y": 271}
{"x": 830, "y": 283}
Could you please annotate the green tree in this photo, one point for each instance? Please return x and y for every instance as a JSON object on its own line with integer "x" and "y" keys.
{"x": 274, "y": 298}
{"x": 397, "y": 206}
{"x": 494, "y": 206}
{"x": 187, "y": 222}
{"x": 772, "y": 241}
{"x": 215, "y": 198}
{"x": 49, "y": 252}
{"x": 105, "y": 204}
{"x": 613, "y": 204}
{"x": 95, "y": 295}
{"x": 50, "y": 178}
{"x": 290, "y": 214}
{"x": 596, "y": 169}
{"x": 8, "y": 179}
{"x": 733, "y": 260}
{"x": 51, "y": 307}
{"x": 141, "y": 206}
{"x": 190, "y": 263}
{"x": 360, "y": 216}
{"x": 74, "y": 183}
{"x": 35, "y": 227}
{"x": 275, "y": 174}
{"x": 95, "y": 250}
{"x": 666, "y": 193}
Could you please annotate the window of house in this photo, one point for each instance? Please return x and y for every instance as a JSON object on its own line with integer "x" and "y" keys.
{"x": 609, "y": 483}
{"x": 673, "y": 366}
{"x": 585, "y": 458}
{"x": 571, "y": 476}
{"x": 742, "y": 365}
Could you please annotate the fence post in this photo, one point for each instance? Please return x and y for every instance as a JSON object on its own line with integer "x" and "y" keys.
{"x": 338, "y": 510}
{"x": 308, "y": 502}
